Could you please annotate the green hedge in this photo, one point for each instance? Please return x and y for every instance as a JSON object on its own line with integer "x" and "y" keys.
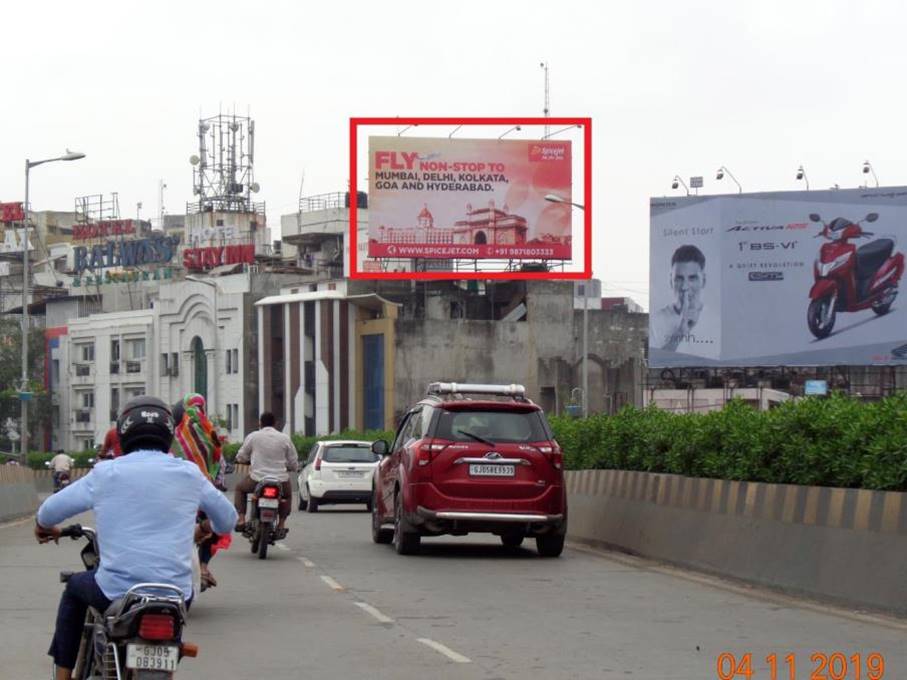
{"x": 836, "y": 441}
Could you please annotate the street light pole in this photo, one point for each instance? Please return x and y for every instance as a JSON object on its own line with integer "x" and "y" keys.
{"x": 23, "y": 388}
{"x": 554, "y": 198}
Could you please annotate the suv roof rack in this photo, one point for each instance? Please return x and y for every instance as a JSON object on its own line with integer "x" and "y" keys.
{"x": 440, "y": 389}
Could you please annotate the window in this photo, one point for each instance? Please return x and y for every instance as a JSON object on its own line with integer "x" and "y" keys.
{"x": 228, "y": 355}
{"x": 492, "y": 425}
{"x": 349, "y": 454}
{"x": 132, "y": 393}
{"x": 232, "y": 360}
{"x": 88, "y": 399}
{"x": 174, "y": 363}
{"x": 114, "y": 350}
{"x": 236, "y": 423}
{"x": 55, "y": 372}
{"x": 88, "y": 444}
{"x": 114, "y": 402}
{"x": 136, "y": 348}
{"x": 235, "y": 360}
{"x": 165, "y": 367}
{"x": 312, "y": 452}
{"x": 86, "y": 352}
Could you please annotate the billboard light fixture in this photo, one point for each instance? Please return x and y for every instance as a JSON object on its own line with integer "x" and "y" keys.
{"x": 722, "y": 171}
{"x": 678, "y": 183}
{"x": 867, "y": 169}
{"x": 801, "y": 176}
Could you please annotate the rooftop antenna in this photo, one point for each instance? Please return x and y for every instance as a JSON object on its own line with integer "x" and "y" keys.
{"x": 547, "y": 109}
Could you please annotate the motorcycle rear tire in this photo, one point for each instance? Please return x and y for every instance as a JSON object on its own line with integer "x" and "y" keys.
{"x": 264, "y": 534}
{"x": 256, "y": 539}
{"x": 813, "y": 315}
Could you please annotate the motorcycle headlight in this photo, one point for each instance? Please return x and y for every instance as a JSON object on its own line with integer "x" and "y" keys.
{"x": 825, "y": 268}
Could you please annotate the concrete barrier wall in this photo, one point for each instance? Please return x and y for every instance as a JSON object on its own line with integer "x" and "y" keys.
{"x": 845, "y": 545}
{"x": 18, "y": 495}
{"x": 44, "y": 480}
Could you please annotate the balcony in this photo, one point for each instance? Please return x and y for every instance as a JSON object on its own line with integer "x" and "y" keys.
{"x": 134, "y": 367}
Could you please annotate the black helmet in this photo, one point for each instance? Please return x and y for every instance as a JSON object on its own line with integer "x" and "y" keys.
{"x": 145, "y": 423}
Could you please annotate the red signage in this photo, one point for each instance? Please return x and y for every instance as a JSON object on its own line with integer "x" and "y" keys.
{"x": 11, "y": 212}
{"x": 102, "y": 229}
{"x": 208, "y": 258}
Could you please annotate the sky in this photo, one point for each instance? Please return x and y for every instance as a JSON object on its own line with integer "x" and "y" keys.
{"x": 671, "y": 87}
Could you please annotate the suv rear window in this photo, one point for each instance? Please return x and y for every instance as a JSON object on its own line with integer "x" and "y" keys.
{"x": 348, "y": 454}
{"x": 494, "y": 426}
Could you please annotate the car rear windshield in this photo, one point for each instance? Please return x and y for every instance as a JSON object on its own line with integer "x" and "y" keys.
{"x": 349, "y": 454}
{"x": 494, "y": 426}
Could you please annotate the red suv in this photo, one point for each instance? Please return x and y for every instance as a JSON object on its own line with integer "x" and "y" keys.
{"x": 460, "y": 465}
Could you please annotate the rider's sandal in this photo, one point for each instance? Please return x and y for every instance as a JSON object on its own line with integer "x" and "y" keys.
{"x": 282, "y": 533}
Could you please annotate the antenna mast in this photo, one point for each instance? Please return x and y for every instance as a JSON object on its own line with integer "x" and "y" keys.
{"x": 544, "y": 66}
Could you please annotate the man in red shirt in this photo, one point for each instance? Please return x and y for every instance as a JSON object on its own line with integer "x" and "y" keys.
{"x": 111, "y": 446}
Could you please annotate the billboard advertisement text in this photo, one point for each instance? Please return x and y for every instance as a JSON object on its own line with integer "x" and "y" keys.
{"x": 469, "y": 198}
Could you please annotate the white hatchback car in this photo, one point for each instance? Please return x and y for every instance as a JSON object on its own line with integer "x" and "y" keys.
{"x": 337, "y": 472}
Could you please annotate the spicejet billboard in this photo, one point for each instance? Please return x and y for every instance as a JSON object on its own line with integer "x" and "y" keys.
{"x": 799, "y": 278}
{"x": 469, "y": 198}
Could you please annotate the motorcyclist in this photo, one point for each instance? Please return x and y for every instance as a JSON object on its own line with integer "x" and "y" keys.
{"x": 61, "y": 464}
{"x": 270, "y": 454}
{"x": 145, "y": 503}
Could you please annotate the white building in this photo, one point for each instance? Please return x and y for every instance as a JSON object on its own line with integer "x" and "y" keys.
{"x": 317, "y": 235}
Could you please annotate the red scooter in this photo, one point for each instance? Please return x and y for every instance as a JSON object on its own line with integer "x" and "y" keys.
{"x": 850, "y": 279}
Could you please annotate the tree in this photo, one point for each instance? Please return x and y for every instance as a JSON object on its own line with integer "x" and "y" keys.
{"x": 39, "y": 411}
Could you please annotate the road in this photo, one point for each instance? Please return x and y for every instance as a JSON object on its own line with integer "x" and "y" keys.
{"x": 331, "y": 604}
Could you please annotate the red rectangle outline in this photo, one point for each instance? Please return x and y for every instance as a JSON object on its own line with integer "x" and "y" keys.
{"x": 586, "y": 273}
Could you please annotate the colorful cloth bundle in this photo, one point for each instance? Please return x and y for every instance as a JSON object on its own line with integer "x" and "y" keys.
{"x": 196, "y": 440}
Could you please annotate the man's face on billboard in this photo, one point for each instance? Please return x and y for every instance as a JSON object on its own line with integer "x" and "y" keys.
{"x": 687, "y": 280}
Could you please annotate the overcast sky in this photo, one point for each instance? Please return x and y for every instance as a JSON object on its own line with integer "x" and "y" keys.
{"x": 672, "y": 87}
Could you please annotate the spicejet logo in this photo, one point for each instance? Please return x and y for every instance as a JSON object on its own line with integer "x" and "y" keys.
{"x": 547, "y": 151}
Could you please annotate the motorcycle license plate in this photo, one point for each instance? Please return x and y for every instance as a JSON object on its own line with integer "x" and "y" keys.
{"x": 152, "y": 657}
{"x": 477, "y": 470}
{"x": 268, "y": 502}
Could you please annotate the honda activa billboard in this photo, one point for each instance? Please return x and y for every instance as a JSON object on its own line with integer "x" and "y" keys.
{"x": 469, "y": 198}
{"x": 800, "y": 278}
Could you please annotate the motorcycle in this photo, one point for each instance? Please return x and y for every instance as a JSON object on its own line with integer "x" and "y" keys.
{"x": 60, "y": 479}
{"x": 851, "y": 279}
{"x": 262, "y": 529}
{"x": 139, "y": 636}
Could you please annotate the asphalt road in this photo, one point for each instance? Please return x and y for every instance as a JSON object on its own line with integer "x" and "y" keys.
{"x": 331, "y": 604}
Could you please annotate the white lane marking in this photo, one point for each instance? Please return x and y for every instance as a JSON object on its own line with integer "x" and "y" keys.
{"x": 332, "y": 584}
{"x": 364, "y": 606}
{"x": 308, "y": 563}
{"x": 281, "y": 546}
{"x": 443, "y": 649}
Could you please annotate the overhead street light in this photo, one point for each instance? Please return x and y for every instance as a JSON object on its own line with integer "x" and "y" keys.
{"x": 801, "y": 176}
{"x": 554, "y": 198}
{"x": 24, "y": 393}
{"x": 720, "y": 175}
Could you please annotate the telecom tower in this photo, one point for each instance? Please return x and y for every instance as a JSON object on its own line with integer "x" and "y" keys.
{"x": 224, "y": 225}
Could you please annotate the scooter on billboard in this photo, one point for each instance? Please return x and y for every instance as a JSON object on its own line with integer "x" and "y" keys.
{"x": 848, "y": 278}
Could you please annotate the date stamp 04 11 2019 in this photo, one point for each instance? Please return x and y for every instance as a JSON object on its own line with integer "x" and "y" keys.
{"x": 835, "y": 666}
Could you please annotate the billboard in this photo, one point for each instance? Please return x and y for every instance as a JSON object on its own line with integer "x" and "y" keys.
{"x": 800, "y": 278}
{"x": 469, "y": 198}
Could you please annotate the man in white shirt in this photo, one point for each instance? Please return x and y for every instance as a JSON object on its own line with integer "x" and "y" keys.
{"x": 270, "y": 454}
{"x": 674, "y": 323}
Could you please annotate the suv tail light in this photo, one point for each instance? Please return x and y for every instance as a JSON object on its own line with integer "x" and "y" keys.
{"x": 430, "y": 447}
{"x": 554, "y": 454}
{"x": 318, "y": 463}
{"x": 270, "y": 492}
{"x": 157, "y": 627}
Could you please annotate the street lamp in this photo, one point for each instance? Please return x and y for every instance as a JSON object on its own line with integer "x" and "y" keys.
{"x": 720, "y": 175}
{"x": 213, "y": 285}
{"x": 23, "y": 390}
{"x": 679, "y": 182}
{"x": 867, "y": 168}
{"x": 554, "y": 198}
{"x": 801, "y": 175}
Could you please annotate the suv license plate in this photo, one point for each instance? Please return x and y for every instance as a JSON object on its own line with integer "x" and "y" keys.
{"x": 349, "y": 474}
{"x": 477, "y": 470}
{"x": 152, "y": 657}
{"x": 268, "y": 502}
